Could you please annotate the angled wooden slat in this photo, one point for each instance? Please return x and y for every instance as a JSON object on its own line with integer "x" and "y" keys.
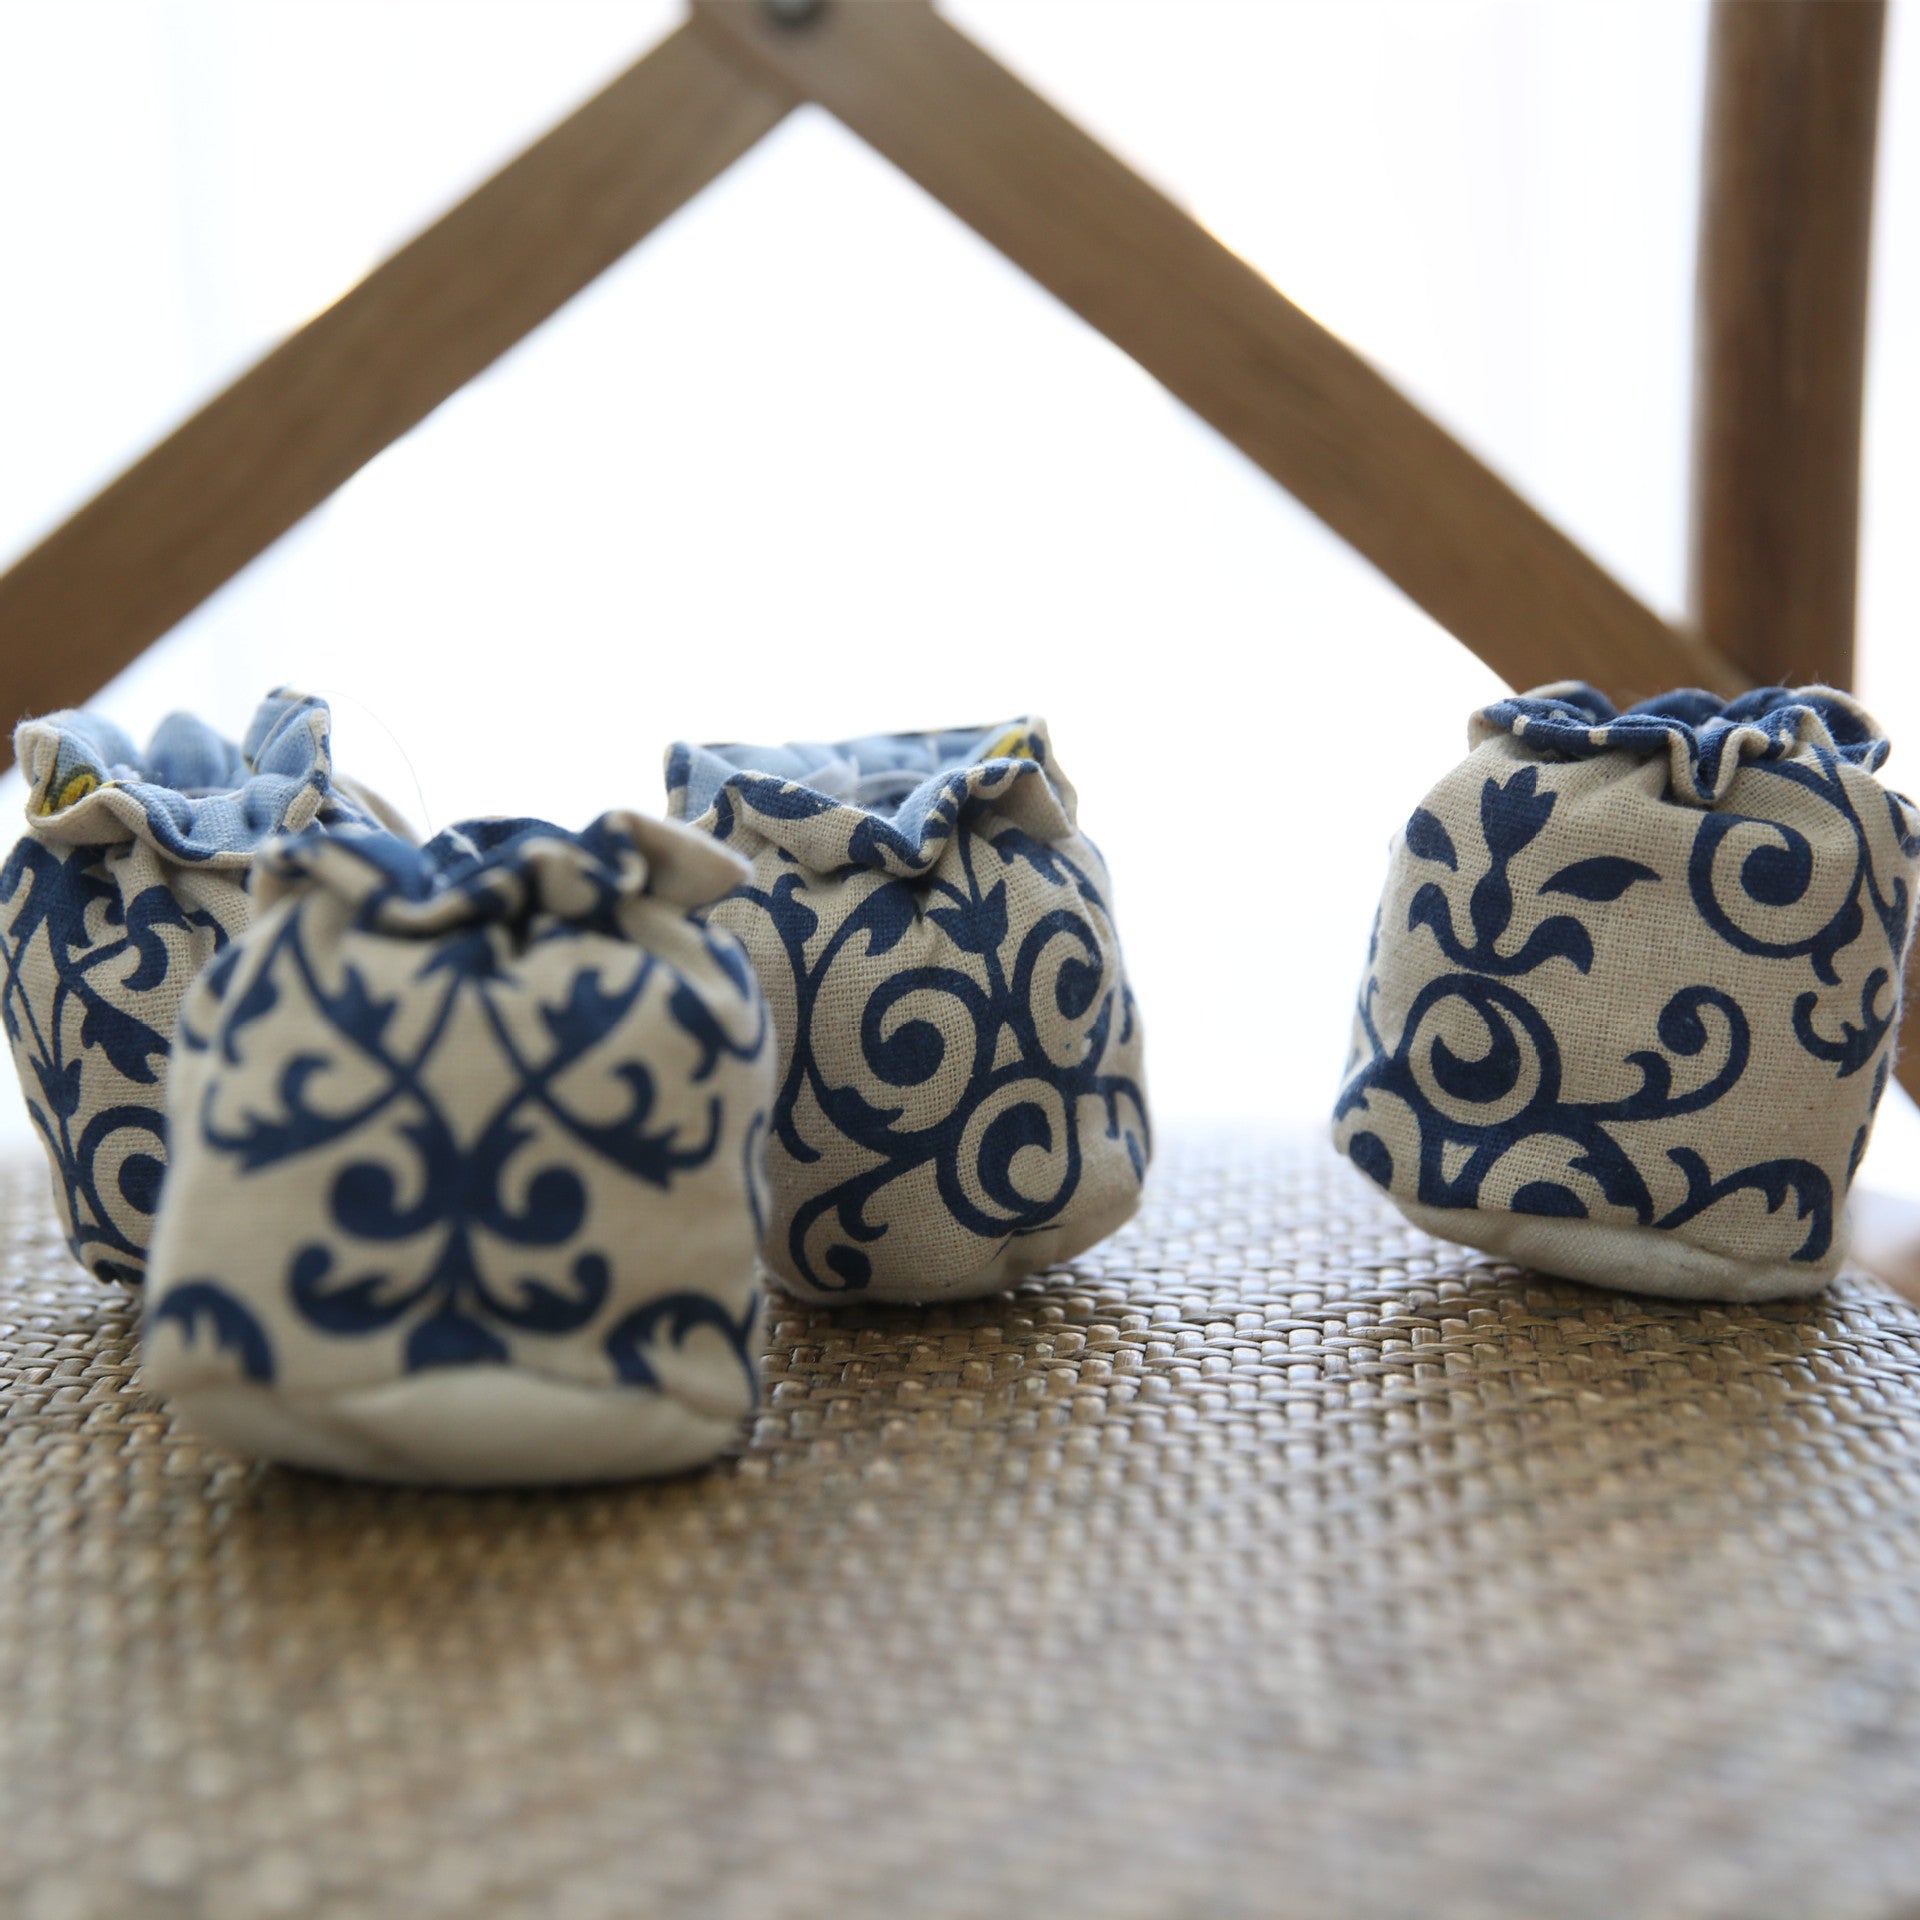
{"x": 1786, "y": 214}
{"x": 194, "y": 511}
{"x": 1446, "y": 530}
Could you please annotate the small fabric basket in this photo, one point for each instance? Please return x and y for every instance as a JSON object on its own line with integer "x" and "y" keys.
{"x": 1634, "y": 989}
{"x": 961, "y": 1098}
{"x": 467, "y": 1150}
{"x": 131, "y": 876}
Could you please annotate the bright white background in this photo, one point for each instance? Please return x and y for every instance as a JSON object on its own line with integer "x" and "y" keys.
{"x": 814, "y": 460}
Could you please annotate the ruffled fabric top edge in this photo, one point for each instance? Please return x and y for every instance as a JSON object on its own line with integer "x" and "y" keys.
{"x": 1705, "y": 739}
{"x": 193, "y": 795}
{"x": 887, "y": 802}
{"x": 485, "y": 872}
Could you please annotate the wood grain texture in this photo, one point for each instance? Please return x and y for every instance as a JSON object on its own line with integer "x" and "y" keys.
{"x": 194, "y": 511}
{"x": 1786, "y": 214}
{"x": 1786, "y": 217}
{"x": 1453, "y": 536}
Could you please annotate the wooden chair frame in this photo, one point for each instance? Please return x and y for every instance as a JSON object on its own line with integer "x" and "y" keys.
{"x": 1782, "y": 314}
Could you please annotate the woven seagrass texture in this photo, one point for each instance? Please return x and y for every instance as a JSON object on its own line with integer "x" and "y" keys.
{"x": 1272, "y": 1561}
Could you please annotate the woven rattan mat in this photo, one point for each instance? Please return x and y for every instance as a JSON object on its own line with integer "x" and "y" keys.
{"x": 1274, "y": 1561}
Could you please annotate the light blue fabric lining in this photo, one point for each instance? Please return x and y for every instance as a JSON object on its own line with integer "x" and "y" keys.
{"x": 897, "y": 776}
{"x": 1705, "y": 739}
{"x": 201, "y": 797}
{"x": 888, "y": 802}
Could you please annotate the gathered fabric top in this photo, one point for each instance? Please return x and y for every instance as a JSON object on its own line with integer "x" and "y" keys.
{"x": 502, "y": 872}
{"x": 193, "y": 794}
{"x": 890, "y": 802}
{"x": 1705, "y": 739}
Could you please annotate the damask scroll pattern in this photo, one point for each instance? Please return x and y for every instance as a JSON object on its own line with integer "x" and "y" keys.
{"x": 981, "y": 1064}
{"x": 1480, "y": 1059}
{"x": 476, "y": 1139}
{"x": 91, "y": 979}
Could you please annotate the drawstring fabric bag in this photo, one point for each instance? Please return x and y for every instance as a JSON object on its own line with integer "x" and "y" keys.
{"x": 1634, "y": 989}
{"x": 467, "y": 1145}
{"x": 131, "y": 877}
{"x": 961, "y": 1097}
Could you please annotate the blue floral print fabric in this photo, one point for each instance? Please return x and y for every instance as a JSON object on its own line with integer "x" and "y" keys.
{"x": 130, "y": 878}
{"x": 1632, "y": 996}
{"x": 961, "y": 1096}
{"x": 467, "y": 1159}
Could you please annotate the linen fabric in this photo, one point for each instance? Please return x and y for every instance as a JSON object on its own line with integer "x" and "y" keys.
{"x": 467, "y": 1145}
{"x": 130, "y": 878}
{"x": 1634, "y": 988}
{"x": 961, "y": 1096}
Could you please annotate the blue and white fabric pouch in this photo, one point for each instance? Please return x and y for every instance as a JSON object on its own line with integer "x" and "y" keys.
{"x": 1634, "y": 989}
{"x": 467, "y": 1161}
{"x": 961, "y": 1099}
{"x": 131, "y": 876}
